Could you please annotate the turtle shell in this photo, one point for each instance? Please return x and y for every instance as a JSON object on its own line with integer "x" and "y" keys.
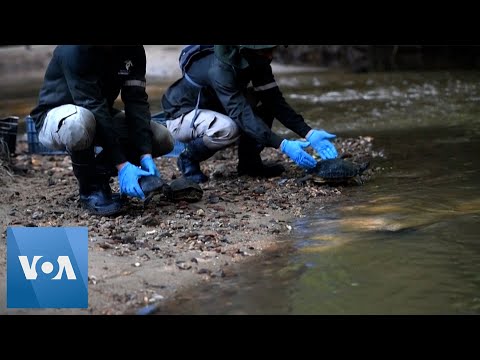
{"x": 338, "y": 169}
{"x": 183, "y": 189}
{"x": 152, "y": 185}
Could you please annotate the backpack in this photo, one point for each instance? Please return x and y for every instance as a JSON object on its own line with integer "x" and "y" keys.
{"x": 190, "y": 53}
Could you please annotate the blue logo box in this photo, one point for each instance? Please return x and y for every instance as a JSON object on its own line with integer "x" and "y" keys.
{"x": 47, "y": 267}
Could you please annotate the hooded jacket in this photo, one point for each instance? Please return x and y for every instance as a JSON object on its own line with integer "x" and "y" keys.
{"x": 224, "y": 76}
{"x": 93, "y": 77}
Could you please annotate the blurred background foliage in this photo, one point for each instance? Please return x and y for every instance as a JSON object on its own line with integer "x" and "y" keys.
{"x": 364, "y": 58}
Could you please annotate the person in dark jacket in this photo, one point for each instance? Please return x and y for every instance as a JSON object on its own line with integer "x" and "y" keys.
{"x": 212, "y": 106}
{"x": 76, "y": 112}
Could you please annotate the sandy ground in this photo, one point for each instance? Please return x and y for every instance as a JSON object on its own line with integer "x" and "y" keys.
{"x": 149, "y": 253}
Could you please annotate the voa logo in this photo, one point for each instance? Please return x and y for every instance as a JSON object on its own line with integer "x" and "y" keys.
{"x": 47, "y": 267}
{"x": 64, "y": 266}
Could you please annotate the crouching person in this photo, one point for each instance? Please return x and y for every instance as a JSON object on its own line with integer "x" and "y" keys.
{"x": 75, "y": 111}
{"x": 212, "y": 106}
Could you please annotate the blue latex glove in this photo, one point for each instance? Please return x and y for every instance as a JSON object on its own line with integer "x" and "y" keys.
{"x": 128, "y": 179}
{"x": 149, "y": 166}
{"x": 319, "y": 139}
{"x": 294, "y": 149}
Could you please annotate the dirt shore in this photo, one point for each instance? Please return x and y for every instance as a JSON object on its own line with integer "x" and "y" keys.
{"x": 149, "y": 253}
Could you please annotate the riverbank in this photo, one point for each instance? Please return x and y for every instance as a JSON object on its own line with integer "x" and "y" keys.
{"x": 147, "y": 254}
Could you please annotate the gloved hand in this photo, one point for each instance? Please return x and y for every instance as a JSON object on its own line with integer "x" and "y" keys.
{"x": 148, "y": 165}
{"x": 128, "y": 179}
{"x": 294, "y": 149}
{"x": 319, "y": 139}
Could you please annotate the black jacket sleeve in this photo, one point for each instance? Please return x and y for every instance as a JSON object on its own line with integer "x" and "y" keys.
{"x": 270, "y": 95}
{"x": 81, "y": 66}
{"x": 135, "y": 98}
{"x": 237, "y": 107}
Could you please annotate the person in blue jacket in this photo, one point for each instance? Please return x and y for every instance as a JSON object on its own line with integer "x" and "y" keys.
{"x": 76, "y": 112}
{"x": 228, "y": 93}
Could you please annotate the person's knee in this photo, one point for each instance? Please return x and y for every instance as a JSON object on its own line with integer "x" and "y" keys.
{"x": 162, "y": 140}
{"x": 68, "y": 126}
{"x": 79, "y": 131}
{"x": 232, "y": 131}
{"x": 222, "y": 133}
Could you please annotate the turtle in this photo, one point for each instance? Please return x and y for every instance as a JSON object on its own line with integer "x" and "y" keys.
{"x": 183, "y": 189}
{"x": 178, "y": 190}
{"x": 152, "y": 185}
{"x": 336, "y": 170}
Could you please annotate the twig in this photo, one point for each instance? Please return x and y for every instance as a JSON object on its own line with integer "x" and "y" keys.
{"x": 4, "y": 151}
{"x": 5, "y": 159}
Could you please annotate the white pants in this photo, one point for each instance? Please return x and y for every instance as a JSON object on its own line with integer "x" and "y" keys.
{"x": 73, "y": 128}
{"x": 217, "y": 130}
{"x": 68, "y": 127}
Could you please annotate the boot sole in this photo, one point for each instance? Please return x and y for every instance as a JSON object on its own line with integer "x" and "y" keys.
{"x": 105, "y": 212}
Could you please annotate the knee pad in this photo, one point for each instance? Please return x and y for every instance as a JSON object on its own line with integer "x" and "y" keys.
{"x": 77, "y": 131}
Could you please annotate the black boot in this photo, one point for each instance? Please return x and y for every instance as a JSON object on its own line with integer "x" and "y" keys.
{"x": 103, "y": 181}
{"x": 249, "y": 160}
{"x": 105, "y": 170}
{"x": 189, "y": 160}
{"x": 95, "y": 192}
{"x": 250, "y": 163}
